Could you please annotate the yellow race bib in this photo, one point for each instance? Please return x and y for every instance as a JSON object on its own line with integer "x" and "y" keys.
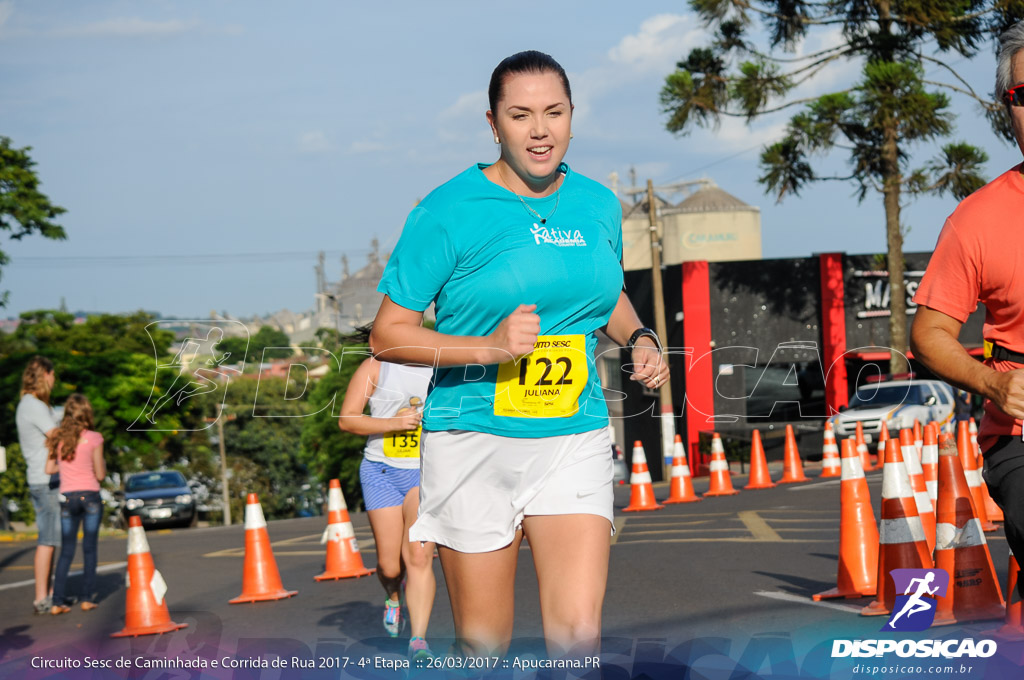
{"x": 403, "y": 444}
{"x": 547, "y": 382}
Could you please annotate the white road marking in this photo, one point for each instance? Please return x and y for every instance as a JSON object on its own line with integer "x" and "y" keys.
{"x": 114, "y": 566}
{"x": 775, "y": 595}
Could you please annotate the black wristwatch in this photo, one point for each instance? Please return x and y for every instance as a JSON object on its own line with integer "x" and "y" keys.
{"x": 643, "y": 332}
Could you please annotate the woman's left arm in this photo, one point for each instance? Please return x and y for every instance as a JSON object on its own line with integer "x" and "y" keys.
{"x": 99, "y": 466}
{"x": 52, "y": 466}
{"x": 649, "y": 366}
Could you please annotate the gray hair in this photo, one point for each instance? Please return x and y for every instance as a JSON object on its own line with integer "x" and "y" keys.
{"x": 1010, "y": 42}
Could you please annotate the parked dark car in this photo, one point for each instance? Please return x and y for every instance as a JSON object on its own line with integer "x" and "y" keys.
{"x": 160, "y": 498}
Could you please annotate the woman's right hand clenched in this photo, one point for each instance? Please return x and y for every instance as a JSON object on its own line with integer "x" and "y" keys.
{"x": 516, "y": 334}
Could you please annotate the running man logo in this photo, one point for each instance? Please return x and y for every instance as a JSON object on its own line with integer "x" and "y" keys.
{"x": 915, "y": 608}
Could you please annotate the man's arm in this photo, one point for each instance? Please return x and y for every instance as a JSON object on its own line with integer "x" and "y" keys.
{"x": 933, "y": 338}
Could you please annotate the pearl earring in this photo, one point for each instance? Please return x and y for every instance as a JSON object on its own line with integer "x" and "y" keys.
{"x": 570, "y": 135}
{"x": 496, "y": 140}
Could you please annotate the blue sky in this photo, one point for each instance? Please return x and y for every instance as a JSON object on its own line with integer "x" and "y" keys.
{"x": 206, "y": 151}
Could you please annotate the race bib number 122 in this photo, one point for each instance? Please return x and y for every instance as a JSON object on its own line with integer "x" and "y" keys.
{"x": 547, "y": 382}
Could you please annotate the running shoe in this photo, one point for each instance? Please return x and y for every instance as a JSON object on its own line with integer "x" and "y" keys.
{"x": 392, "y": 617}
{"x": 419, "y": 650}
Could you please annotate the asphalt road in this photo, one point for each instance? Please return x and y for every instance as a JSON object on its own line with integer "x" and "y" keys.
{"x": 719, "y": 588}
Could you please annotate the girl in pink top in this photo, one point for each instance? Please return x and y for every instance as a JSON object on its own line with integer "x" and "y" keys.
{"x": 77, "y": 453}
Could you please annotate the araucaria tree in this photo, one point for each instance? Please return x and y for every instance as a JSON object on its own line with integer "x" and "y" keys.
{"x": 24, "y": 209}
{"x": 753, "y": 66}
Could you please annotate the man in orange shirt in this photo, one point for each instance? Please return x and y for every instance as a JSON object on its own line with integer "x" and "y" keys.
{"x": 980, "y": 258}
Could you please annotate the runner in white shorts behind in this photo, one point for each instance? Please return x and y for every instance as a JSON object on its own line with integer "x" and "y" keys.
{"x": 522, "y": 261}
{"x": 390, "y": 477}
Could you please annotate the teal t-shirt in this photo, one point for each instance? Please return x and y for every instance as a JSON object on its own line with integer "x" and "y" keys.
{"x": 475, "y": 251}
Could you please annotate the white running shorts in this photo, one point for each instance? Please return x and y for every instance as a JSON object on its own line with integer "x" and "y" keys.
{"x": 475, "y": 488}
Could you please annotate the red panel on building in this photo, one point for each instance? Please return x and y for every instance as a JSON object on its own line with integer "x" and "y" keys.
{"x": 833, "y": 331}
{"x": 700, "y": 397}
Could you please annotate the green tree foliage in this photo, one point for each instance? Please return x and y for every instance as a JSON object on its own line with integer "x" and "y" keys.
{"x": 752, "y": 67}
{"x": 24, "y": 209}
{"x": 110, "y": 359}
{"x": 265, "y": 338}
{"x": 14, "y": 485}
{"x": 236, "y": 347}
{"x": 328, "y": 452}
{"x": 262, "y": 437}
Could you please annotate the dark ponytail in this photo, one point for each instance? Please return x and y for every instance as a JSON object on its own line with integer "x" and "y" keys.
{"x": 530, "y": 61}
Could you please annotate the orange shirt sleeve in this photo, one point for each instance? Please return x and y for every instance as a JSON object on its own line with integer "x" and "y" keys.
{"x": 952, "y": 282}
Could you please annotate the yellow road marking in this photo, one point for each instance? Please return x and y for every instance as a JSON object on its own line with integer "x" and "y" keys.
{"x": 364, "y": 535}
{"x": 758, "y": 528}
{"x": 76, "y": 565}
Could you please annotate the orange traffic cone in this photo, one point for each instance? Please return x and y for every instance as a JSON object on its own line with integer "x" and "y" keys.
{"x": 962, "y": 552}
{"x": 858, "y": 535}
{"x": 1013, "y": 624}
{"x": 260, "y": 578}
{"x": 793, "y": 469}
{"x": 718, "y": 471}
{"x": 641, "y": 490}
{"x": 145, "y": 608}
{"x": 883, "y": 437}
{"x": 862, "y": 449}
{"x": 925, "y": 509}
{"x": 681, "y": 490}
{"x": 829, "y": 454}
{"x": 918, "y": 438}
{"x": 930, "y": 460}
{"x": 972, "y": 427}
{"x": 901, "y": 541}
{"x": 343, "y": 558}
{"x": 992, "y": 509}
{"x": 759, "y": 478}
{"x": 973, "y": 475}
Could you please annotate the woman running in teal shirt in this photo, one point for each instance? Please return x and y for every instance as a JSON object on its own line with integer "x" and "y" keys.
{"x": 522, "y": 261}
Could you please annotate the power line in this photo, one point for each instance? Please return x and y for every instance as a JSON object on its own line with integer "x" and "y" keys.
{"x": 180, "y": 259}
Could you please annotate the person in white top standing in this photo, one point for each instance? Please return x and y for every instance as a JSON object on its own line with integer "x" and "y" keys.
{"x": 35, "y": 420}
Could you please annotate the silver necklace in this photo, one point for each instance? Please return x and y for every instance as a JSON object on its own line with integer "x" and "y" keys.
{"x": 543, "y": 220}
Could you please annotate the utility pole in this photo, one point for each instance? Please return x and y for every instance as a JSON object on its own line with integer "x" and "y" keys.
{"x": 668, "y": 426}
{"x": 225, "y": 491}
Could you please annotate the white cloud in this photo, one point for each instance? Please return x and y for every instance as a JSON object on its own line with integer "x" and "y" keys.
{"x": 465, "y": 116}
{"x": 734, "y": 135}
{"x": 468, "y": 104}
{"x": 128, "y": 27}
{"x": 367, "y": 146}
{"x": 661, "y": 41}
{"x": 314, "y": 141}
{"x": 6, "y": 10}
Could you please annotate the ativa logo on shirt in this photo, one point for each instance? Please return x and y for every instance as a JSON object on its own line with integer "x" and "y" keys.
{"x": 557, "y": 237}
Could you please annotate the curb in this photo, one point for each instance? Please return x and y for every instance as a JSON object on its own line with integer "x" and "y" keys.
{"x": 21, "y": 536}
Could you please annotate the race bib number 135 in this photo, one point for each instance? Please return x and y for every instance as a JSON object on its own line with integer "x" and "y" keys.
{"x": 547, "y": 382}
{"x": 403, "y": 444}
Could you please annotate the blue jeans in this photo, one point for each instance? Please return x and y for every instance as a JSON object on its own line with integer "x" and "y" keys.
{"x": 85, "y": 508}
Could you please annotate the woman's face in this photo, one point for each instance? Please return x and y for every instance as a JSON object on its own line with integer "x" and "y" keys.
{"x": 533, "y": 121}
{"x": 49, "y": 377}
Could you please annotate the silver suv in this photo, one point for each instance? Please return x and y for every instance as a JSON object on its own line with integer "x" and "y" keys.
{"x": 896, "y": 403}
